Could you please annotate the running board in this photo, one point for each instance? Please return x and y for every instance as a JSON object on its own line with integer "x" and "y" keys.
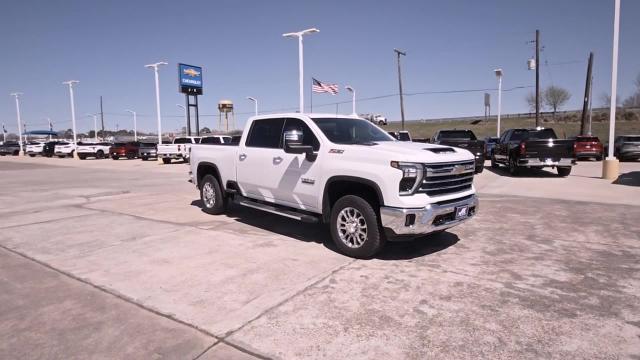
{"x": 278, "y": 211}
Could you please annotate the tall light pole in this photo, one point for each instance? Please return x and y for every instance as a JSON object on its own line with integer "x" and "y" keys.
{"x": 4, "y": 134}
{"x": 184, "y": 109}
{"x": 399, "y": 52}
{"x": 17, "y": 96}
{"x": 353, "y": 98}
{"x": 299, "y": 35}
{"x": 135, "y": 124}
{"x": 155, "y": 67}
{"x": 50, "y": 126}
{"x": 95, "y": 126}
{"x": 499, "y": 75}
{"x": 255, "y": 104}
{"x": 610, "y": 166}
{"x": 73, "y": 113}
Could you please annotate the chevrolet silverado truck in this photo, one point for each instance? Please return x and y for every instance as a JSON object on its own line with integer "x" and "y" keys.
{"x": 464, "y": 139}
{"x": 340, "y": 170}
{"x": 177, "y": 150}
{"x": 533, "y": 148}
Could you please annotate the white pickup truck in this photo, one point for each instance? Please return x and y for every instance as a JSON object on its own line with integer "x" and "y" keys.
{"x": 177, "y": 150}
{"x": 340, "y": 170}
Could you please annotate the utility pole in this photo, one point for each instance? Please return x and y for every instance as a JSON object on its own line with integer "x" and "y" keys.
{"x": 611, "y": 165}
{"x": 537, "y": 78}
{"x": 399, "y": 52}
{"x": 101, "y": 116}
{"x": 587, "y": 94}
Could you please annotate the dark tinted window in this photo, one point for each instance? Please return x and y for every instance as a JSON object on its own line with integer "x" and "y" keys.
{"x": 148, "y": 144}
{"x": 543, "y": 134}
{"x": 350, "y": 131}
{"x": 211, "y": 140}
{"x": 631, "y": 138}
{"x": 393, "y": 134}
{"x": 118, "y": 144}
{"x": 182, "y": 141}
{"x": 587, "y": 138}
{"x": 266, "y": 133}
{"x": 457, "y": 134}
{"x": 307, "y": 135}
{"x": 236, "y": 139}
{"x": 404, "y": 136}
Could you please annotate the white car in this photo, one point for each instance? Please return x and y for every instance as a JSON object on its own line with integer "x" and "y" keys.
{"x": 179, "y": 149}
{"x": 95, "y": 150}
{"x": 64, "y": 149}
{"x": 35, "y": 148}
{"x": 340, "y": 170}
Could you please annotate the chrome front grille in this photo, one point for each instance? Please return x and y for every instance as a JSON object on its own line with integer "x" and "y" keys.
{"x": 447, "y": 178}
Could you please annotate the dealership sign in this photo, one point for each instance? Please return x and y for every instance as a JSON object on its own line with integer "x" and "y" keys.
{"x": 190, "y": 78}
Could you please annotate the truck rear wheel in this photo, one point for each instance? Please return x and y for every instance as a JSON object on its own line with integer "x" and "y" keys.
{"x": 494, "y": 163}
{"x": 354, "y": 227}
{"x": 213, "y": 201}
{"x": 564, "y": 171}
{"x": 166, "y": 160}
{"x": 513, "y": 166}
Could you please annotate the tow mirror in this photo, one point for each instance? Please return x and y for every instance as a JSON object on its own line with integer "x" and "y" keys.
{"x": 293, "y": 144}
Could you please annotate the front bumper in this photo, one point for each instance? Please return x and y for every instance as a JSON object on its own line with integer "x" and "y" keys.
{"x": 151, "y": 153}
{"x": 431, "y": 218}
{"x": 588, "y": 153}
{"x": 536, "y": 162}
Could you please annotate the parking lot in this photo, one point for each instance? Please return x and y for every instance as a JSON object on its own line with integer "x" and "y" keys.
{"x": 117, "y": 260}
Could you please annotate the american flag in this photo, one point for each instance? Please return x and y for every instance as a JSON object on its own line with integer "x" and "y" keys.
{"x": 321, "y": 87}
{"x": 3, "y": 129}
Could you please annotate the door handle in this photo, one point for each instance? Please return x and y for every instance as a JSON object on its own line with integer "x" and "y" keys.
{"x": 242, "y": 156}
{"x": 277, "y": 160}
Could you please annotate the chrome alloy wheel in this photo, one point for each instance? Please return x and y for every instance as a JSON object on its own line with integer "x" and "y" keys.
{"x": 352, "y": 227}
{"x": 208, "y": 195}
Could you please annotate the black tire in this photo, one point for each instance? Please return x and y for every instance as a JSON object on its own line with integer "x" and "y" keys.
{"x": 82, "y": 157}
{"x": 115, "y": 157}
{"x": 32, "y": 155}
{"x": 494, "y": 163}
{"x": 16, "y": 153}
{"x": 374, "y": 240}
{"x": 144, "y": 158}
{"x": 166, "y": 160}
{"x": 100, "y": 154}
{"x": 513, "y": 166}
{"x": 211, "y": 195}
{"x": 564, "y": 171}
{"x": 62, "y": 156}
{"x": 599, "y": 158}
{"x": 479, "y": 169}
{"x": 48, "y": 155}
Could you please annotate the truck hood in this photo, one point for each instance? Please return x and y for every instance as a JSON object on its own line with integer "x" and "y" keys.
{"x": 413, "y": 152}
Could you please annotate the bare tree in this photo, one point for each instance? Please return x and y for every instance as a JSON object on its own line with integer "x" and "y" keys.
{"x": 605, "y": 100}
{"x": 531, "y": 101}
{"x": 555, "y": 97}
{"x": 633, "y": 100}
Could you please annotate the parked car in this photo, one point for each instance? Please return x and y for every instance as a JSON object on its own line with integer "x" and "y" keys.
{"x": 343, "y": 171}
{"x": 627, "y": 147}
{"x": 128, "y": 150}
{"x": 178, "y": 149}
{"x": 10, "y": 148}
{"x": 489, "y": 143}
{"x": 49, "y": 148}
{"x": 147, "y": 151}
{"x": 64, "y": 149}
{"x": 588, "y": 147}
{"x": 95, "y": 150}
{"x": 533, "y": 148}
{"x": 216, "y": 139}
{"x": 400, "y": 135}
{"x": 34, "y": 148}
{"x": 464, "y": 139}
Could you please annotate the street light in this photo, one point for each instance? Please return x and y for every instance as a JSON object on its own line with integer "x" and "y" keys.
{"x": 400, "y": 52}
{"x": 499, "y": 76}
{"x": 255, "y": 104}
{"x": 185, "y": 119}
{"x": 95, "y": 126}
{"x": 155, "y": 71}
{"x": 353, "y": 98}
{"x": 135, "y": 124}
{"x": 73, "y": 114}
{"x": 299, "y": 35}
{"x": 611, "y": 165}
{"x": 17, "y": 96}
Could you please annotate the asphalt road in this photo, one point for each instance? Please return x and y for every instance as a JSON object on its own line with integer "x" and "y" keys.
{"x": 115, "y": 259}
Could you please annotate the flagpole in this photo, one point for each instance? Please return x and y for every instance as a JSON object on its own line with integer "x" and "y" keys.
{"x": 311, "y": 100}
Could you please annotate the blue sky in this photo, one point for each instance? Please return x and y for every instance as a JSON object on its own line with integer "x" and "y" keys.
{"x": 450, "y": 45}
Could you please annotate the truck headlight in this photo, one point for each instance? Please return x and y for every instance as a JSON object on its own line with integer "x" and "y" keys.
{"x": 411, "y": 176}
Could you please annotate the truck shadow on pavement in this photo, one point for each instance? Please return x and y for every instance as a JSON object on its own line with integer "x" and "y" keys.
{"x": 630, "y": 179}
{"x": 319, "y": 234}
{"x": 524, "y": 172}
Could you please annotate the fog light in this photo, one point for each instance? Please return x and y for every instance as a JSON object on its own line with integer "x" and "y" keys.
{"x": 410, "y": 220}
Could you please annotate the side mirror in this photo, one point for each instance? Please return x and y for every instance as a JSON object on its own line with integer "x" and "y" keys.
{"x": 293, "y": 144}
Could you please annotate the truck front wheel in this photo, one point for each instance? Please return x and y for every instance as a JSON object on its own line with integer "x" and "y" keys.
{"x": 213, "y": 200}
{"x": 354, "y": 227}
{"x": 564, "y": 171}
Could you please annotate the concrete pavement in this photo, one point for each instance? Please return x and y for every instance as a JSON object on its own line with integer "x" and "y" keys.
{"x": 535, "y": 274}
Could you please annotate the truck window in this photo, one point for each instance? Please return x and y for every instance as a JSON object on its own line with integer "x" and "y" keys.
{"x": 457, "y": 134}
{"x": 265, "y": 133}
{"x": 351, "y": 131}
{"x": 542, "y": 134}
{"x": 211, "y": 140}
{"x": 182, "y": 141}
{"x": 308, "y": 138}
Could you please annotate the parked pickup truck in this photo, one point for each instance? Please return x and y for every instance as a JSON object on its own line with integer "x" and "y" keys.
{"x": 94, "y": 150}
{"x": 533, "y": 148}
{"x": 464, "y": 139}
{"x": 343, "y": 171}
{"x": 178, "y": 149}
{"x": 147, "y": 151}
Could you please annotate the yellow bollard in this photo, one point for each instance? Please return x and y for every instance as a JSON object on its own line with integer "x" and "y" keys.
{"x": 610, "y": 169}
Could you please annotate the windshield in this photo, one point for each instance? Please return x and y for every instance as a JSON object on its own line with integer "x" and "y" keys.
{"x": 542, "y": 134}
{"x": 587, "y": 138}
{"x": 350, "y": 131}
{"x": 631, "y": 138}
{"x": 457, "y": 134}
